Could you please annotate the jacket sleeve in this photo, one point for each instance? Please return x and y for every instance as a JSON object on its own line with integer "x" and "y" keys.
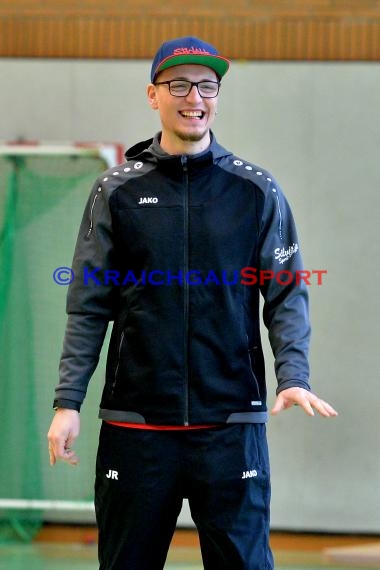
{"x": 90, "y": 302}
{"x": 285, "y": 293}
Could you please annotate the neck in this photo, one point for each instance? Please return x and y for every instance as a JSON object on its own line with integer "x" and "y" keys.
{"x": 176, "y": 145}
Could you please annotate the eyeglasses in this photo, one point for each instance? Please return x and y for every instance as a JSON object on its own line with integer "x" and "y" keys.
{"x": 182, "y": 88}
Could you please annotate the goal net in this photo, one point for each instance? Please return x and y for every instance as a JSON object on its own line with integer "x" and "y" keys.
{"x": 43, "y": 190}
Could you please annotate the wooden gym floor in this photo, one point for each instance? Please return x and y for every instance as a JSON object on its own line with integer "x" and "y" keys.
{"x": 74, "y": 548}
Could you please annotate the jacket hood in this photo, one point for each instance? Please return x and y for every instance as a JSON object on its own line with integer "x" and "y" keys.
{"x": 151, "y": 149}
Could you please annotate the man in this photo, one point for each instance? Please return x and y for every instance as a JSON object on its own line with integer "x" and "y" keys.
{"x": 175, "y": 246}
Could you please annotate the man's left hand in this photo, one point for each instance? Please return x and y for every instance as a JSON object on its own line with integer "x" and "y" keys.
{"x": 307, "y": 400}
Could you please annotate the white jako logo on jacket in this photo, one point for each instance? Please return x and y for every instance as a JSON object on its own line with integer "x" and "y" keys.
{"x": 149, "y": 200}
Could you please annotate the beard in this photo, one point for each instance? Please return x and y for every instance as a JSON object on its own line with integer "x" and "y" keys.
{"x": 191, "y": 137}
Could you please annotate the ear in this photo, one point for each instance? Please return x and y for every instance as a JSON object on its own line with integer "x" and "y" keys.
{"x": 152, "y": 96}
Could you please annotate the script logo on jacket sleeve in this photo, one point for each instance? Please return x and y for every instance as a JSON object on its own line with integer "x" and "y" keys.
{"x": 282, "y": 254}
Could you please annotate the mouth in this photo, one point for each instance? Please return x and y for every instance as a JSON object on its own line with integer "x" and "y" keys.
{"x": 192, "y": 114}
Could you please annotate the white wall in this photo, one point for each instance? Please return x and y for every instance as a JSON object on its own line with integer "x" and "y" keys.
{"x": 316, "y": 127}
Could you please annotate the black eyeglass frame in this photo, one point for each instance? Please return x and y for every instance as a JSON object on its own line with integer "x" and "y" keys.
{"x": 191, "y": 85}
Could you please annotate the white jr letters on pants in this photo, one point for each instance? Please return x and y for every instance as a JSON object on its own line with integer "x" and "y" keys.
{"x": 112, "y": 475}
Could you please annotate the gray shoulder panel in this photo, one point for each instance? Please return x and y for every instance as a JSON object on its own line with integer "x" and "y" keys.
{"x": 257, "y": 175}
{"x": 115, "y": 177}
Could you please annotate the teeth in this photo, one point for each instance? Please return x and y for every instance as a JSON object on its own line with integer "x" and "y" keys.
{"x": 192, "y": 114}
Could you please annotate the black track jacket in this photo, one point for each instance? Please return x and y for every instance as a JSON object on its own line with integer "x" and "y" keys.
{"x": 175, "y": 250}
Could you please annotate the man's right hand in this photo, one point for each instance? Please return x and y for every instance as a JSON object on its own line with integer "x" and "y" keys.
{"x": 63, "y": 432}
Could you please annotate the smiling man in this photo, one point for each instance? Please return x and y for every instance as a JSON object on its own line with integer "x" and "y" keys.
{"x": 184, "y": 402}
{"x": 186, "y": 98}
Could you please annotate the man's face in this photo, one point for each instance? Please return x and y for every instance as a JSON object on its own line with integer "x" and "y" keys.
{"x": 184, "y": 119}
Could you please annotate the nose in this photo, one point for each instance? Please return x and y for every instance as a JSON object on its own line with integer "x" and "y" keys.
{"x": 194, "y": 96}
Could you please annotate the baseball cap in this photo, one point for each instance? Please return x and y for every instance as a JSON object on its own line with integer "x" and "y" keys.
{"x": 188, "y": 50}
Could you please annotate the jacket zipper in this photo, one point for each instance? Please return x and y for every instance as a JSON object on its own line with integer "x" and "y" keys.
{"x": 118, "y": 362}
{"x": 91, "y": 212}
{"x": 186, "y": 289}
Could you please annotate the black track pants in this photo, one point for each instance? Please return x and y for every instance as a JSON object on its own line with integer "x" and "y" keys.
{"x": 142, "y": 477}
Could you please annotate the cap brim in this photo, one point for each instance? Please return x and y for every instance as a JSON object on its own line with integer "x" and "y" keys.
{"x": 219, "y": 64}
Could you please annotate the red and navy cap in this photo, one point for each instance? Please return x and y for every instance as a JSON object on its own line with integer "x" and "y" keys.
{"x": 188, "y": 50}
